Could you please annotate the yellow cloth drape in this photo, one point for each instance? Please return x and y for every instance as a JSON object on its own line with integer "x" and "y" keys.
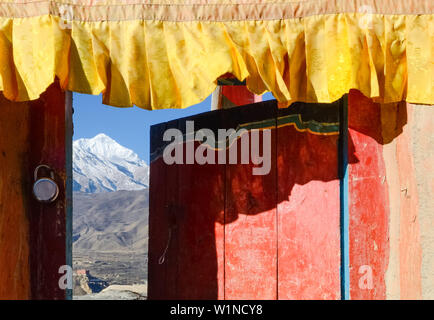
{"x": 170, "y": 53}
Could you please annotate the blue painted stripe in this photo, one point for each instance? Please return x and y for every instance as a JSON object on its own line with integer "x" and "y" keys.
{"x": 344, "y": 205}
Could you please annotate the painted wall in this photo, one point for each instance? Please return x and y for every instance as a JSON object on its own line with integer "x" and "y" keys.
{"x": 409, "y": 160}
{"x": 391, "y": 199}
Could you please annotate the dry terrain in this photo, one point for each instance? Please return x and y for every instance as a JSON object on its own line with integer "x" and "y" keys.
{"x": 110, "y": 236}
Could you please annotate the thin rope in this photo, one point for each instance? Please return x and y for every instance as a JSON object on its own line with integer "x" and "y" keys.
{"x": 163, "y": 256}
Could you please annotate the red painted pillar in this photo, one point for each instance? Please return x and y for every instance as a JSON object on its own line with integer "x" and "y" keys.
{"x": 225, "y": 97}
{"x": 239, "y": 95}
{"x": 368, "y": 200}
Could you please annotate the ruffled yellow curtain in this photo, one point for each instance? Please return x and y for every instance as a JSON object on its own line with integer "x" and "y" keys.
{"x": 169, "y": 53}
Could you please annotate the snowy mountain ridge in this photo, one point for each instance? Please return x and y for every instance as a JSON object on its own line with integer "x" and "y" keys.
{"x": 100, "y": 164}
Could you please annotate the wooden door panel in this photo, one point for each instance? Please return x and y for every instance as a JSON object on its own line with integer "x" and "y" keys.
{"x": 200, "y": 221}
{"x": 33, "y": 235}
{"x": 251, "y": 217}
{"x": 159, "y": 226}
{"x": 308, "y": 202}
{"x": 188, "y": 224}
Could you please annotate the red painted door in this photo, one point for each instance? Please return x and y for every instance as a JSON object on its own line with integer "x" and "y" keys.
{"x": 217, "y": 231}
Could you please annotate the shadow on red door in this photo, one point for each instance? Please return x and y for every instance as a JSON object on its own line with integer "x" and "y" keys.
{"x": 219, "y": 232}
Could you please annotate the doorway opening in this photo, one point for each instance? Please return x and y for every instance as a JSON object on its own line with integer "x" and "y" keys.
{"x": 111, "y": 196}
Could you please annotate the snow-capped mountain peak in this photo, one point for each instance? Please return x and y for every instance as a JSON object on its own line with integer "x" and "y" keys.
{"x": 104, "y": 146}
{"x": 100, "y": 164}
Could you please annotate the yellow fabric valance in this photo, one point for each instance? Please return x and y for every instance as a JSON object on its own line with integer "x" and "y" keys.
{"x": 169, "y": 53}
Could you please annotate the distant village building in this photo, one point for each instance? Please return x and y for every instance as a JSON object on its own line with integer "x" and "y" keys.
{"x": 82, "y": 272}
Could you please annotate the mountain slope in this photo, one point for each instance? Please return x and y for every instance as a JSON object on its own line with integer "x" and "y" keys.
{"x": 111, "y": 221}
{"x": 101, "y": 164}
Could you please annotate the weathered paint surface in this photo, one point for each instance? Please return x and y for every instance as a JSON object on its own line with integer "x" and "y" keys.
{"x": 368, "y": 200}
{"x": 422, "y": 150}
{"x": 235, "y": 235}
{"x": 308, "y": 214}
{"x": 251, "y": 218}
{"x": 391, "y": 187}
{"x": 186, "y": 247}
{"x": 409, "y": 158}
{"x": 32, "y": 235}
{"x": 409, "y": 239}
{"x": 393, "y": 118}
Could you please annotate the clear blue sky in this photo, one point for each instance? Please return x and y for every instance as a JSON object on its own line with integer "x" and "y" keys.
{"x": 128, "y": 126}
